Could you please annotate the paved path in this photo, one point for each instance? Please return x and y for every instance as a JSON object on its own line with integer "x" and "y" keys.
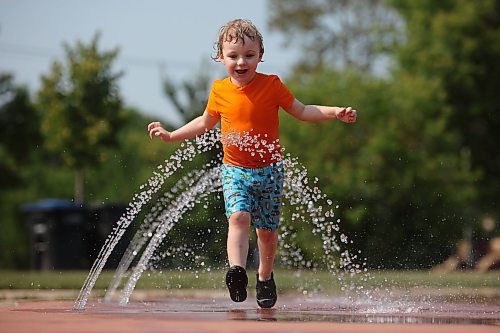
{"x": 217, "y": 314}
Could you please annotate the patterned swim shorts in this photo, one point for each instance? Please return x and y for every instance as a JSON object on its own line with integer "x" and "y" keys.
{"x": 258, "y": 191}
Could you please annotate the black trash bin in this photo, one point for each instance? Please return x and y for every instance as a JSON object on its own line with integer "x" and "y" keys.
{"x": 58, "y": 232}
{"x": 104, "y": 219}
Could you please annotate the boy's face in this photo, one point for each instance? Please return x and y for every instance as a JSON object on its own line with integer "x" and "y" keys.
{"x": 241, "y": 60}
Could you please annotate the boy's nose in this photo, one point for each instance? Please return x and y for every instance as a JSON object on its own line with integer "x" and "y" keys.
{"x": 241, "y": 61}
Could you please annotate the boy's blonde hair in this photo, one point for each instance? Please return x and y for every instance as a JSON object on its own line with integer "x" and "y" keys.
{"x": 237, "y": 30}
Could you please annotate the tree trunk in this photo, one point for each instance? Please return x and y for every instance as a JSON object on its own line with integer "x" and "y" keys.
{"x": 79, "y": 185}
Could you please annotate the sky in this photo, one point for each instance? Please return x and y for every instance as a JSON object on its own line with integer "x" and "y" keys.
{"x": 154, "y": 37}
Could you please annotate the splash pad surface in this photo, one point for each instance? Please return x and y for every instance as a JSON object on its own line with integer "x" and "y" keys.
{"x": 214, "y": 312}
{"x": 208, "y": 312}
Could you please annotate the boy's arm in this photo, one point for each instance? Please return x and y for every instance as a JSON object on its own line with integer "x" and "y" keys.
{"x": 320, "y": 112}
{"x": 197, "y": 126}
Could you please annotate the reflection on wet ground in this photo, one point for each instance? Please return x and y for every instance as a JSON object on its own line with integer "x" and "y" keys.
{"x": 313, "y": 310}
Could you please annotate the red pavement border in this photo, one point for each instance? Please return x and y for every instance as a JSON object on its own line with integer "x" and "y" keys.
{"x": 57, "y": 316}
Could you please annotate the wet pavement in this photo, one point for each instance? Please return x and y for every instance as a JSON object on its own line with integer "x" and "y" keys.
{"x": 215, "y": 313}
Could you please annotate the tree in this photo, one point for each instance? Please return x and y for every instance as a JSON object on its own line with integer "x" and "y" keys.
{"x": 344, "y": 33}
{"x": 398, "y": 175}
{"x": 81, "y": 108}
{"x": 20, "y": 142}
{"x": 456, "y": 43}
{"x": 20, "y": 130}
{"x": 426, "y": 162}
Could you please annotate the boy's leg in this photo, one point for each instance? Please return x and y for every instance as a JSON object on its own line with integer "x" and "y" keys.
{"x": 267, "y": 242}
{"x": 237, "y": 238}
{"x": 237, "y": 201}
{"x": 237, "y": 251}
{"x": 265, "y": 286}
{"x": 269, "y": 206}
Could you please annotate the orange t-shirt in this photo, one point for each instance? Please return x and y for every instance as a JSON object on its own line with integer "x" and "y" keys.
{"x": 249, "y": 119}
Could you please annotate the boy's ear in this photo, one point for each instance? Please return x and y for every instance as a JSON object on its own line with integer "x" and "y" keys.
{"x": 221, "y": 59}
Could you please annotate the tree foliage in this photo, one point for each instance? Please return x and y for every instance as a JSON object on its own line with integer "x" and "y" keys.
{"x": 409, "y": 174}
{"x": 342, "y": 33}
{"x": 398, "y": 175}
{"x": 19, "y": 136}
{"x": 456, "y": 43}
{"x": 20, "y": 142}
{"x": 81, "y": 107}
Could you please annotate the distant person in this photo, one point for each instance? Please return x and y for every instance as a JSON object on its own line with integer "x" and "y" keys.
{"x": 491, "y": 260}
{"x": 459, "y": 260}
{"x": 247, "y": 103}
{"x": 482, "y": 237}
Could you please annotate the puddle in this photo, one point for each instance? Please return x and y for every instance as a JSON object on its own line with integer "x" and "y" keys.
{"x": 292, "y": 309}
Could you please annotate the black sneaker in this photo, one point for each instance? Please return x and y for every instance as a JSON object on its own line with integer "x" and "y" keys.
{"x": 266, "y": 292}
{"x": 237, "y": 281}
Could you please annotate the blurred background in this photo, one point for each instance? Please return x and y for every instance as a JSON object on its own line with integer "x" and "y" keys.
{"x": 417, "y": 178}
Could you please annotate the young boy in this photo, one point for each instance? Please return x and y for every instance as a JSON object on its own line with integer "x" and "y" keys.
{"x": 247, "y": 103}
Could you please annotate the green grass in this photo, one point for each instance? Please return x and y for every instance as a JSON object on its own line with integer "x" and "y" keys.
{"x": 287, "y": 280}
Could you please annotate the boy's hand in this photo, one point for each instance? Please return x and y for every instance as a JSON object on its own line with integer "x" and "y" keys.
{"x": 155, "y": 129}
{"x": 347, "y": 115}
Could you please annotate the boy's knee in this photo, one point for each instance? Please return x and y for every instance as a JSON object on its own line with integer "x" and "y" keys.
{"x": 267, "y": 235}
{"x": 241, "y": 218}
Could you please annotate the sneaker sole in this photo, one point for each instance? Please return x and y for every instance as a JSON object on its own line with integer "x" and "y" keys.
{"x": 266, "y": 303}
{"x": 236, "y": 282}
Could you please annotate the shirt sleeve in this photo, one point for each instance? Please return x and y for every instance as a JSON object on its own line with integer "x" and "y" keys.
{"x": 212, "y": 108}
{"x": 285, "y": 97}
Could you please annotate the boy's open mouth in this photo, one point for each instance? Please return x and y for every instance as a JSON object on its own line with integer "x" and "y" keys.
{"x": 241, "y": 71}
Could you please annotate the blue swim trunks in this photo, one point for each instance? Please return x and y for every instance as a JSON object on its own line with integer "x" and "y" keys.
{"x": 258, "y": 191}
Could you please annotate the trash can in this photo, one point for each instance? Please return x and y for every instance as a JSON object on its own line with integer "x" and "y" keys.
{"x": 104, "y": 219}
{"x": 58, "y": 234}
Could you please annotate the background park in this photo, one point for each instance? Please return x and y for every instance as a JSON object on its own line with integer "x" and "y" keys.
{"x": 417, "y": 174}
